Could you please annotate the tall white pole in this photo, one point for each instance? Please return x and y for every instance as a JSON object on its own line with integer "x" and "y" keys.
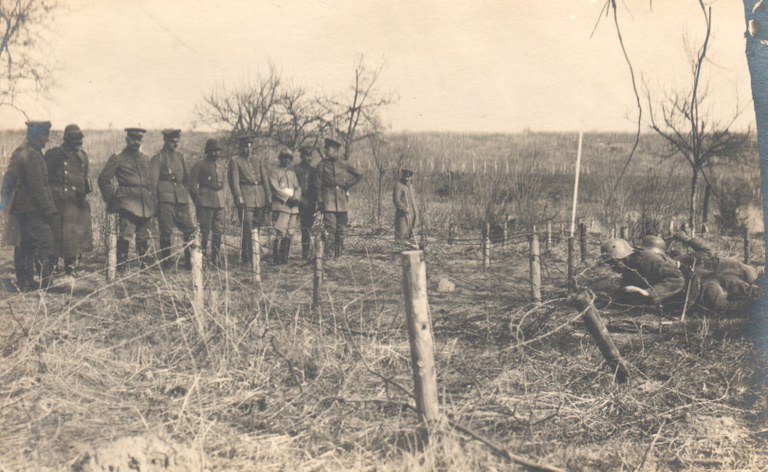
{"x": 576, "y": 185}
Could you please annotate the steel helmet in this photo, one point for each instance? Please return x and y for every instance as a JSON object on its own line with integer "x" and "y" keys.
{"x": 654, "y": 243}
{"x": 616, "y": 248}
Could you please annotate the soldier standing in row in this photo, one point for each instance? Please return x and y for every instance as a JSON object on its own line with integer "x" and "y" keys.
{"x": 68, "y": 179}
{"x": 207, "y": 190}
{"x": 286, "y": 194}
{"x": 249, "y": 183}
{"x": 170, "y": 179}
{"x": 126, "y": 187}
{"x": 308, "y": 203}
{"x": 332, "y": 181}
{"x": 406, "y": 210}
{"x": 33, "y": 207}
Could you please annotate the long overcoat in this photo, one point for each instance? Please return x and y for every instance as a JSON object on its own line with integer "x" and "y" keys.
{"x": 249, "y": 182}
{"x": 125, "y": 183}
{"x": 406, "y": 210}
{"x": 331, "y": 181}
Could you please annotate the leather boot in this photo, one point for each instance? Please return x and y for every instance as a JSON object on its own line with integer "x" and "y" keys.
{"x": 305, "y": 243}
{"x": 246, "y": 247}
{"x": 165, "y": 254}
{"x": 215, "y": 249}
{"x": 188, "y": 238}
{"x": 123, "y": 246}
{"x": 276, "y": 251}
{"x": 142, "y": 251}
{"x": 69, "y": 266}
{"x": 285, "y": 249}
{"x": 46, "y": 272}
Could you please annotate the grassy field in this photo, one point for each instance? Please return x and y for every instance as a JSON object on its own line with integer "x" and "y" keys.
{"x": 124, "y": 376}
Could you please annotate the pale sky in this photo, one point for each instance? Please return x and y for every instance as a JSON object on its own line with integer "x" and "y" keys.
{"x": 475, "y": 66}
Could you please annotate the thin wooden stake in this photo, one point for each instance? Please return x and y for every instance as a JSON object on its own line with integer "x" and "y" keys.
{"x": 198, "y": 290}
{"x": 112, "y": 219}
{"x": 420, "y": 335}
{"x": 256, "y": 255}
{"x": 548, "y": 240}
{"x": 317, "y": 277}
{"x": 505, "y": 231}
{"x": 746, "y": 245}
{"x": 576, "y": 185}
{"x": 625, "y": 233}
{"x": 535, "y": 268}
{"x": 487, "y": 247}
{"x": 571, "y": 266}
{"x": 599, "y": 333}
{"x": 583, "y": 241}
{"x": 451, "y": 232}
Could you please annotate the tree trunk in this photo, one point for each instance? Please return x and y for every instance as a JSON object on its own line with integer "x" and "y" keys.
{"x": 378, "y": 198}
{"x": 705, "y": 205}
{"x": 694, "y": 194}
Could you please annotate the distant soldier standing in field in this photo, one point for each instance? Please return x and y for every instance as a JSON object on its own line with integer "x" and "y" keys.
{"x": 249, "y": 184}
{"x": 406, "y": 210}
{"x": 308, "y": 203}
{"x": 33, "y": 207}
{"x": 68, "y": 178}
{"x": 332, "y": 181}
{"x": 171, "y": 179}
{"x": 207, "y": 190}
{"x": 126, "y": 186}
{"x": 286, "y": 195}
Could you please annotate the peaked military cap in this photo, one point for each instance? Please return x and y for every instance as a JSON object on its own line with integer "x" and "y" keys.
{"x": 171, "y": 133}
{"x": 245, "y": 138}
{"x": 331, "y": 142}
{"x": 306, "y": 149}
{"x": 72, "y": 131}
{"x": 285, "y": 152}
{"x": 38, "y": 128}
{"x": 212, "y": 145}
{"x": 406, "y": 172}
{"x": 135, "y": 132}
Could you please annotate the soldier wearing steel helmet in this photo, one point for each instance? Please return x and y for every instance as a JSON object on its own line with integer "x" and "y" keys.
{"x": 68, "y": 178}
{"x": 646, "y": 276}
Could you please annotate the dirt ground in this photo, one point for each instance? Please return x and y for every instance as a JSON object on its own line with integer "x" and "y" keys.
{"x": 130, "y": 376}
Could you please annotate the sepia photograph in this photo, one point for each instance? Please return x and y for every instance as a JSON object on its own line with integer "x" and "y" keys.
{"x": 338, "y": 235}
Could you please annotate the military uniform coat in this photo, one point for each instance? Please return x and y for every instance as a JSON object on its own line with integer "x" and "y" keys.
{"x": 304, "y": 173}
{"x": 170, "y": 177}
{"x": 32, "y": 193}
{"x": 284, "y": 185}
{"x": 68, "y": 180}
{"x": 208, "y": 182}
{"x": 125, "y": 183}
{"x": 331, "y": 181}
{"x": 249, "y": 182}
{"x": 406, "y": 211}
{"x": 648, "y": 270}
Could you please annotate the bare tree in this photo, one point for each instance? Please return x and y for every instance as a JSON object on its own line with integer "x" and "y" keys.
{"x": 246, "y": 108}
{"x": 683, "y": 123}
{"x": 297, "y": 118}
{"x": 358, "y": 112}
{"x": 22, "y": 63}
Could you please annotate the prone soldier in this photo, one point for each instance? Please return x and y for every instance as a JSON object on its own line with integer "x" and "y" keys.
{"x": 126, "y": 186}
{"x": 331, "y": 183}
{"x": 207, "y": 190}
{"x": 170, "y": 179}
{"x": 249, "y": 183}
{"x": 68, "y": 178}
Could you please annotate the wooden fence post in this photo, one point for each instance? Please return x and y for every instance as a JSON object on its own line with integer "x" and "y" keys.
{"x": 198, "y": 293}
{"x": 505, "y": 230}
{"x": 317, "y": 277}
{"x": 451, "y": 232}
{"x": 111, "y": 241}
{"x": 583, "y": 241}
{"x": 256, "y": 255}
{"x": 535, "y": 268}
{"x": 420, "y": 335}
{"x": 672, "y": 228}
{"x": 747, "y": 256}
{"x": 486, "y": 246}
{"x": 571, "y": 266}
{"x": 599, "y": 333}
{"x": 625, "y": 233}
{"x": 548, "y": 240}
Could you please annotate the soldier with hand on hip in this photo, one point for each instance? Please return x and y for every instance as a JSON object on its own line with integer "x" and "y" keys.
{"x": 171, "y": 179}
{"x": 332, "y": 180}
{"x": 126, "y": 186}
{"x": 249, "y": 183}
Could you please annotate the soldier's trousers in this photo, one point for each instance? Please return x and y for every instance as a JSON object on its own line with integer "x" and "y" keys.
{"x": 306, "y": 220}
{"x": 36, "y": 246}
{"x": 716, "y": 299}
{"x": 128, "y": 227}
{"x": 335, "y": 224}
{"x": 250, "y": 218}
{"x": 212, "y": 220}
{"x": 170, "y": 216}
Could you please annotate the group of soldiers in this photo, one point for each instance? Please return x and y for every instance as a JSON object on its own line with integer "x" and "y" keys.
{"x": 677, "y": 280}
{"x": 46, "y": 198}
